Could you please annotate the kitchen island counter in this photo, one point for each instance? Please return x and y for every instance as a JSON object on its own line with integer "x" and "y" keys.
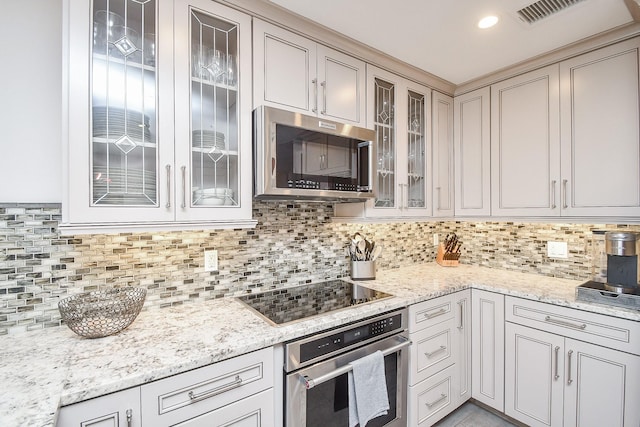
{"x": 48, "y": 368}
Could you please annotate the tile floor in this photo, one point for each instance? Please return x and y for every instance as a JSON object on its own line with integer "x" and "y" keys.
{"x": 471, "y": 415}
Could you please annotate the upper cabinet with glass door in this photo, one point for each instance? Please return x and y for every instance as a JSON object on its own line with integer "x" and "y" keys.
{"x": 399, "y": 113}
{"x": 157, "y": 127}
{"x": 213, "y": 72}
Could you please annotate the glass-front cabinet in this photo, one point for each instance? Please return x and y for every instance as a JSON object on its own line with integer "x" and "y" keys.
{"x": 398, "y": 112}
{"x": 158, "y": 114}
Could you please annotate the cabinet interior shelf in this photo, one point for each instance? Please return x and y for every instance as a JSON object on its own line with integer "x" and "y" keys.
{"x": 129, "y": 63}
{"x": 207, "y": 150}
{"x": 103, "y": 140}
{"x": 214, "y": 84}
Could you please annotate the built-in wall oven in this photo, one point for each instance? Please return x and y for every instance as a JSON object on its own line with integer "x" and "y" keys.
{"x": 316, "y": 384}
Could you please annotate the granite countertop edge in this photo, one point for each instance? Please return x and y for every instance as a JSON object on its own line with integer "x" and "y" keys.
{"x": 53, "y": 368}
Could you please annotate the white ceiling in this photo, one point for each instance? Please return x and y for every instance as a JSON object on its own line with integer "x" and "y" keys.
{"x": 442, "y": 37}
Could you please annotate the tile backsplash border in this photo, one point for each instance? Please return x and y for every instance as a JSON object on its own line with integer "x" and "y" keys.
{"x": 293, "y": 244}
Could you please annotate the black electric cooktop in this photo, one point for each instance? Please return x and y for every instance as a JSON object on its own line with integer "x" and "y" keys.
{"x": 301, "y": 302}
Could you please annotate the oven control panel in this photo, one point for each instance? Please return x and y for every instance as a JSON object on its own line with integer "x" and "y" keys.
{"x": 349, "y": 337}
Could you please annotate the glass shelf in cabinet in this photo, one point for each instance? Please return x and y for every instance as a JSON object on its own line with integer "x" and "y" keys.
{"x": 131, "y": 63}
{"x": 207, "y": 150}
{"x": 209, "y": 83}
{"x": 103, "y": 140}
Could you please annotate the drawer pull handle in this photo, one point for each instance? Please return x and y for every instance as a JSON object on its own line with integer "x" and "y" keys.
{"x": 565, "y": 323}
{"x": 460, "y": 304}
{"x": 556, "y": 376}
{"x": 442, "y": 348}
{"x": 129, "y": 414}
{"x": 206, "y": 394}
{"x": 168, "y": 205}
{"x": 435, "y": 313}
{"x": 569, "y": 380}
{"x": 438, "y": 400}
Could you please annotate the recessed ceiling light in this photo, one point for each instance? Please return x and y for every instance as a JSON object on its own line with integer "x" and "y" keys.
{"x": 488, "y": 21}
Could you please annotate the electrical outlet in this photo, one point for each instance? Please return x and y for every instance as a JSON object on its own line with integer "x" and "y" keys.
{"x": 211, "y": 260}
{"x": 436, "y": 239}
{"x": 557, "y": 250}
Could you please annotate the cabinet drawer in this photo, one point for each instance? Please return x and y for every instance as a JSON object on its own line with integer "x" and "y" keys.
{"x": 254, "y": 411}
{"x": 432, "y": 399}
{"x": 600, "y": 329}
{"x": 431, "y": 351}
{"x": 431, "y": 312}
{"x": 188, "y": 395}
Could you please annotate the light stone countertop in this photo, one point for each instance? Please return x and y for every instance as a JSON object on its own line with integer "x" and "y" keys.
{"x": 45, "y": 369}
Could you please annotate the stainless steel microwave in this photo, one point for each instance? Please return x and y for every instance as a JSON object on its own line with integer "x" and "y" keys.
{"x": 305, "y": 157}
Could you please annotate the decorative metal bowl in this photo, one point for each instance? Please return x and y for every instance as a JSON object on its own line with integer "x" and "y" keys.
{"x": 101, "y": 313}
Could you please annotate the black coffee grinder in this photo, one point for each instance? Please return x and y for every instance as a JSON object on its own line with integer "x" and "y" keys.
{"x": 622, "y": 262}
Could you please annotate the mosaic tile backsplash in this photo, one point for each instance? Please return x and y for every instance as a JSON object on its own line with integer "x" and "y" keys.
{"x": 293, "y": 243}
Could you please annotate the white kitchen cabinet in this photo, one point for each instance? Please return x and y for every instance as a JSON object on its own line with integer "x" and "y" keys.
{"x": 235, "y": 392}
{"x": 525, "y": 145}
{"x": 487, "y": 355}
{"x": 158, "y": 115}
{"x": 113, "y": 410}
{"x": 297, "y": 74}
{"x": 398, "y": 110}
{"x": 443, "y": 155}
{"x": 550, "y": 380}
{"x": 600, "y": 122}
{"x": 462, "y": 338}
{"x": 575, "y": 372}
{"x": 601, "y": 386}
{"x": 195, "y": 394}
{"x": 534, "y": 376}
{"x": 472, "y": 152}
{"x": 439, "y": 358}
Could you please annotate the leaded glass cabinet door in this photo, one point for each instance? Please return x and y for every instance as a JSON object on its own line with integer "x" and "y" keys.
{"x": 124, "y": 139}
{"x": 213, "y": 116}
{"x": 115, "y": 148}
{"x": 382, "y": 117}
{"x": 416, "y": 185}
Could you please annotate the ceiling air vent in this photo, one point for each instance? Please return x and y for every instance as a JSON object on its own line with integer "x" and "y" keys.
{"x": 543, "y": 9}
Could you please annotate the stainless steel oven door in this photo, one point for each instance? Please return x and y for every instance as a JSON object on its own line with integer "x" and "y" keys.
{"x": 318, "y": 396}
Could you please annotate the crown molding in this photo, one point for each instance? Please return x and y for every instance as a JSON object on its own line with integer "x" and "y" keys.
{"x": 589, "y": 44}
{"x": 277, "y": 15}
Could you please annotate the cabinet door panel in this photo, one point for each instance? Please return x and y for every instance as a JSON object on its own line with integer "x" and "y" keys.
{"x": 534, "y": 376}
{"x": 443, "y": 179}
{"x": 342, "y": 86}
{"x": 462, "y": 335}
{"x": 600, "y": 132}
{"x": 113, "y": 410}
{"x": 525, "y": 144}
{"x": 213, "y": 112}
{"x": 285, "y": 66}
{"x": 472, "y": 153}
{"x": 487, "y": 358}
{"x": 604, "y": 387}
{"x": 118, "y": 143}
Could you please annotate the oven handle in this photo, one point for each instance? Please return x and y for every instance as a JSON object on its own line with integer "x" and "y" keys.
{"x": 310, "y": 383}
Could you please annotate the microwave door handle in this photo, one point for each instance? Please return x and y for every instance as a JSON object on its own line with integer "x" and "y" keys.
{"x": 361, "y": 146}
{"x": 310, "y": 383}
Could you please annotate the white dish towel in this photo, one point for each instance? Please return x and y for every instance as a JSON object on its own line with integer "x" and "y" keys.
{"x": 368, "y": 397}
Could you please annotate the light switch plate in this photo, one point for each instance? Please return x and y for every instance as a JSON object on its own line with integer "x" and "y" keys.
{"x": 436, "y": 239}
{"x": 557, "y": 250}
{"x": 211, "y": 260}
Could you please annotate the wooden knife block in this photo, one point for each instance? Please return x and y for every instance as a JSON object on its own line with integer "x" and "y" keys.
{"x": 445, "y": 262}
